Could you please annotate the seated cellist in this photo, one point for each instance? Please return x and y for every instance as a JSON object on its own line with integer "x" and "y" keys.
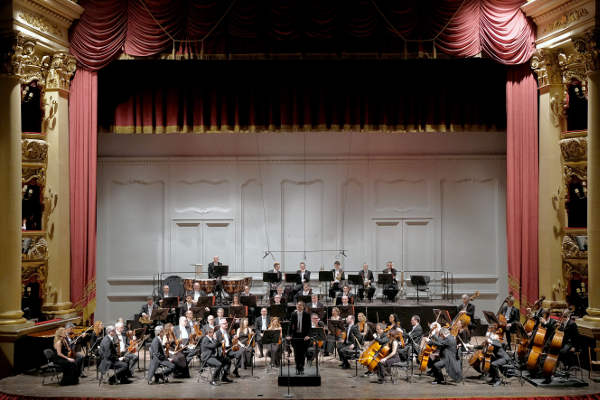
{"x": 392, "y": 357}
{"x": 380, "y": 337}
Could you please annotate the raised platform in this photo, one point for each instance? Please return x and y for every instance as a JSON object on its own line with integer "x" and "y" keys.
{"x": 336, "y": 384}
{"x": 288, "y": 377}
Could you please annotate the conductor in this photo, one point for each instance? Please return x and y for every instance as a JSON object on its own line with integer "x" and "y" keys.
{"x": 298, "y": 334}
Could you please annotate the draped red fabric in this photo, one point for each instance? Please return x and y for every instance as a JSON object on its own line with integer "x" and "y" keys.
{"x": 83, "y": 129}
{"x": 522, "y": 184}
{"x": 461, "y": 28}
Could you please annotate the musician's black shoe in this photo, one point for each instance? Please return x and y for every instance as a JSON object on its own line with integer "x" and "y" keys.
{"x": 368, "y": 373}
{"x": 226, "y": 379}
{"x": 346, "y": 366}
{"x": 83, "y": 376}
{"x": 125, "y": 381}
{"x": 380, "y": 381}
{"x": 236, "y": 374}
{"x": 214, "y": 383}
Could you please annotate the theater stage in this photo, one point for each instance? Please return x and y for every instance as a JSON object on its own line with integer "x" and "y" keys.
{"x": 336, "y": 384}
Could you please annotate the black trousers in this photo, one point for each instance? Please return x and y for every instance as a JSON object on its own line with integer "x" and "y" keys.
{"x": 220, "y": 365}
{"x": 370, "y": 292}
{"x": 131, "y": 359}
{"x": 345, "y": 352}
{"x": 299, "y": 345}
{"x": 436, "y": 368}
{"x": 495, "y": 367}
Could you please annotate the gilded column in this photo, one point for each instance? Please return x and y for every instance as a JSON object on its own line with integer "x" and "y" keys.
{"x": 56, "y": 128}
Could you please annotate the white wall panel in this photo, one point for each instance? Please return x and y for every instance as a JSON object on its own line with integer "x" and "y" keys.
{"x": 417, "y": 244}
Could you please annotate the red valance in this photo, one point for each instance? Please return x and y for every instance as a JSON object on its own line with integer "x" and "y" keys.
{"x": 459, "y": 28}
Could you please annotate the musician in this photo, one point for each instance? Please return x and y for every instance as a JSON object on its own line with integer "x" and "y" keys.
{"x": 467, "y": 308}
{"x": 363, "y": 325}
{"x": 446, "y": 344}
{"x": 109, "y": 358}
{"x": 188, "y": 305}
{"x": 220, "y": 316}
{"x": 158, "y": 357}
{"x": 311, "y": 351}
{"x": 210, "y": 324}
{"x": 174, "y": 351}
{"x": 275, "y": 350}
{"x": 196, "y": 292}
{"x": 245, "y": 336}
{"x": 338, "y": 278}
{"x": 512, "y": 315}
{"x": 96, "y": 337}
{"x": 315, "y": 304}
{"x": 350, "y": 343}
{"x": 236, "y": 303}
{"x": 273, "y": 285}
{"x": 189, "y": 316}
{"x": 298, "y": 335}
{"x": 499, "y": 358}
{"x": 416, "y": 334}
{"x": 261, "y": 324}
{"x": 67, "y": 364}
{"x": 390, "y": 291}
{"x": 277, "y": 300}
{"x": 212, "y": 274}
{"x": 185, "y": 334}
{"x": 122, "y": 349}
{"x": 393, "y": 322}
{"x": 367, "y": 285}
{"x": 463, "y": 337}
{"x": 345, "y": 302}
{"x": 209, "y": 356}
{"x": 306, "y": 291}
{"x": 332, "y": 335}
{"x": 392, "y": 357}
{"x": 166, "y": 293}
{"x": 570, "y": 342}
{"x": 303, "y": 276}
{"x": 148, "y": 307}
{"x": 251, "y": 309}
{"x": 70, "y": 340}
{"x": 222, "y": 336}
{"x": 345, "y": 292}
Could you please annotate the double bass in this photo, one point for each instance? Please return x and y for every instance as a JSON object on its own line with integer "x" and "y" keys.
{"x": 502, "y": 322}
{"x": 555, "y": 345}
{"x": 463, "y": 317}
{"x": 532, "y": 318}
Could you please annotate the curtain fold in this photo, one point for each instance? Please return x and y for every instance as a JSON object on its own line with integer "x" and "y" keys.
{"x": 461, "y": 28}
{"x": 83, "y": 130}
{"x": 522, "y": 184}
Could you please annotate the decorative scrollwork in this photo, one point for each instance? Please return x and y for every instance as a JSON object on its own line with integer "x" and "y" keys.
{"x": 34, "y": 150}
{"x": 545, "y": 64}
{"x": 34, "y": 173}
{"x": 62, "y": 68}
{"x": 588, "y": 46}
{"x": 27, "y": 66}
{"x": 574, "y": 149}
{"x": 570, "y": 249}
{"x": 35, "y": 272}
{"x": 34, "y": 248}
{"x": 579, "y": 171}
{"x": 40, "y": 23}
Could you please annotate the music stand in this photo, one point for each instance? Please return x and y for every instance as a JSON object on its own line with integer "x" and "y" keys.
{"x": 385, "y": 279}
{"x": 292, "y": 277}
{"x": 205, "y": 301}
{"x": 159, "y": 314}
{"x": 355, "y": 280}
{"x": 327, "y": 277}
{"x": 248, "y": 301}
{"x": 278, "y": 310}
{"x": 491, "y": 318}
{"x": 305, "y": 299}
{"x": 170, "y": 302}
{"x": 237, "y": 311}
{"x": 345, "y": 311}
{"x": 318, "y": 310}
{"x": 272, "y": 336}
{"x": 419, "y": 280}
{"x": 318, "y": 335}
{"x": 221, "y": 270}
{"x": 198, "y": 312}
{"x": 335, "y": 325}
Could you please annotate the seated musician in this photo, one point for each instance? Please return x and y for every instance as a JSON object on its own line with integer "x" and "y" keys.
{"x": 303, "y": 277}
{"x": 467, "y": 308}
{"x": 393, "y": 322}
{"x": 68, "y": 365}
{"x": 220, "y": 316}
{"x": 212, "y": 274}
{"x": 186, "y": 335}
{"x": 274, "y": 350}
{"x": 499, "y": 358}
{"x": 158, "y": 357}
{"x": 512, "y": 315}
{"x": 109, "y": 358}
{"x": 196, "y": 293}
{"x": 381, "y": 337}
{"x": 446, "y": 344}
{"x": 571, "y": 342}
{"x": 277, "y": 300}
{"x": 251, "y": 309}
{"x": 349, "y": 345}
{"x": 315, "y": 303}
{"x": 463, "y": 338}
{"x": 245, "y": 336}
{"x": 123, "y": 344}
{"x": 345, "y": 302}
{"x": 363, "y": 325}
{"x": 338, "y": 279}
{"x": 188, "y": 305}
{"x": 236, "y": 303}
{"x": 368, "y": 283}
{"x": 72, "y": 346}
{"x": 210, "y": 324}
{"x": 390, "y": 291}
{"x": 306, "y": 291}
{"x": 166, "y": 293}
{"x": 149, "y": 307}
{"x": 210, "y": 348}
{"x": 273, "y": 285}
{"x": 392, "y": 357}
{"x": 345, "y": 292}
{"x": 261, "y": 324}
{"x": 311, "y": 351}
{"x": 412, "y": 339}
{"x": 96, "y": 337}
{"x": 223, "y": 336}
{"x": 174, "y": 351}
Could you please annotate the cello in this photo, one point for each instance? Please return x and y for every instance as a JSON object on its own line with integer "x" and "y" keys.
{"x": 532, "y": 318}
{"x": 463, "y": 317}
{"x": 501, "y": 319}
{"x": 555, "y": 345}
{"x": 428, "y": 348}
{"x": 537, "y": 346}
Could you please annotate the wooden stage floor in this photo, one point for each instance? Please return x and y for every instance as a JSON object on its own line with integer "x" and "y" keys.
{"x": 337, "y": 384}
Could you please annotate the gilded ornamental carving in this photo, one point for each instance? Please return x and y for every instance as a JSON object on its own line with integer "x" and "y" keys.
{"x": 27, "y": 65}
{"x": 566, "y": 19}
{"x": 39, "y": 22}
{"x": 545, "y": 64}
{"x": 34, "y": 150}
{"x": 34, "y": 248}
{"x": 62, "y": 68}
{"x": 34, "y": 173}
{"x": 578, "y": 171}
{"x": 587, "y": 45}
{"x": 570, "y": 248}
{"x": 574, "y": 149}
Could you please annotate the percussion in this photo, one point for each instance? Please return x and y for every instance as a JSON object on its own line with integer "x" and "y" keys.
{"x": 188, "y": 285}
{"x": 235, "y": 285}
{"x": 208, "y": 285}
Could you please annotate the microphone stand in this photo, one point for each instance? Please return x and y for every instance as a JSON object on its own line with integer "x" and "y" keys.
{"x": 288, "y": 395}
{"x": 413, "y": 346}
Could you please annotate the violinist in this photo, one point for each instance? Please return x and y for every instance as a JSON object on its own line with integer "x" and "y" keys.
{"x": 315, "y": 322}
{"x": 391, "y": 290}
{"x": 393, "y": 322}
{"x": 498, "y": 356}
{"x": 446, "y": 344}
{"x": 209, "y": 356}
{"x": 245, "y": 336}
{"x": 306, "y": 291}
{"x": 367, "y": 285}
{"x": 220, "y": 316}
{"x": 68, "y": 365}
{"x": 210, "y": 324}
{"x": 393, "y": 356}
{"x": 71, "y": 341}
{"x": 96, "y": 336}
{"x": 148, "y": 308}
{"x": 158, "y": 358}
{"x": 338, "y": 278}
{"x": 332, "y": 335}
{"x": 512, "y": 315}
{"x": 463, "y": 337}
{"x": 110, "y": 359}
{"x": 261, "y": 324}
{"x": 174, "y": 351}
{"x": 315, "y": 303}
{"x": 274, "y": 350}
{"x": 351, "y": 342}
{"x": 227, "y": 350}
{"x": 186, "y": 336}
{"x": 415, "y": 334}
{"x": 122, "y": 346}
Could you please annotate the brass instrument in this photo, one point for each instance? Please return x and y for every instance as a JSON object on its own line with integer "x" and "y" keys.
{"x": 144, "y": 320}
{"x": 339, "y": 275}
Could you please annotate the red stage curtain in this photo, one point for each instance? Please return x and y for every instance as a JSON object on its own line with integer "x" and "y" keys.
{"x": 83, "y": 130}
{"x": 496, "y": 28}
{"x": 522, "y": 184}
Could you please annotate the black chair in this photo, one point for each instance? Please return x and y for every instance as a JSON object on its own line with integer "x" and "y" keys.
{"x": 50, "y": 367}
{"x": 421, "y": 282}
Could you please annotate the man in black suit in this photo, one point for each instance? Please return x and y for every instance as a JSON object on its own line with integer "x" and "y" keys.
{"x": 512, "y": 315}
{"x": 448, "y": 356}
{"x": 416, "y": 333}
{"x": 338, "y": 279}
{"x": 211, "y": 268}
{"x": 467, "y": 308}
{"x": 368, "y": 283}
{"x": 261, "y": 324}
{"x": 570, "y": 343}
{"x": 273, "y": 285}
{"x": 298, "y": 335}
{"x": 196, "y": 292}
{"x": 390, "y": 291}
{"x": 158, "y": 358}
{"x": 348, "y": 347}
{"x": 222, "y": 335}
{"x": 187, "y": 306}
{"x": 303, "y": 277}
{"x": 209, "y": 354}
{"x": 315, "y": 304}
{"x": 109, "y": 359}
{"x": 149, "y": 307}
{"x": 499, "y": 358}
{"x": 123, "y": 342}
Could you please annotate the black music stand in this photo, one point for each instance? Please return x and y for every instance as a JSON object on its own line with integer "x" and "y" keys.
{"x": 356, "y": 281}
{"x": 249, "y": 301}
{"x": 278, "y": 310}
{"x": 272, "y": 336}
{"x": 305, "y": 299}
{"x": 170, "y": 302}
{"x": 198, "y": 312}
{"x": 205, "y": 301}
{"x": 159, "y": 314}
{"x": 491, "y": 318}
{"x": 271, "y": 278}
{"x": 327, "y": 277}
{"x": 319, "y": 311}
{"x": 292, "y": 277}
{"x": 418, "y": 281}
{"x": 238, "y": 311}
{"x": 220, "y": 271}
{"x": 345, "y": 311}
{"x": 317, "y": 335}
{"x": 385, "y": 279}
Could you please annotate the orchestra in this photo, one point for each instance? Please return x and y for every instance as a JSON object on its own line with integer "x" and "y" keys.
{"x": 229, "y": 337}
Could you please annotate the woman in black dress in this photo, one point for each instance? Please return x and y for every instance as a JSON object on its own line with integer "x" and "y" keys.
{"x": 62, "y": 359}
{"x": 245, "y": 337}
